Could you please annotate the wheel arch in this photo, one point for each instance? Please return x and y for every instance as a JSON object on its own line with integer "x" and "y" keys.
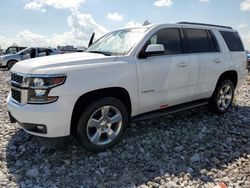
{"x": 11, "y": 60}
{"x": 84, "y": 100}
{"x": 232, "y": 75}
{"x": 15, "y": 60}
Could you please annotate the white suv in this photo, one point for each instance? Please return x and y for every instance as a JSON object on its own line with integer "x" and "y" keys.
{"x": 133, "y": 73}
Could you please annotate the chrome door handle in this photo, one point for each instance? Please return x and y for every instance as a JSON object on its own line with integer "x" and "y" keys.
{"x": 217, "y": 61}
{"x": 182, "y": 64}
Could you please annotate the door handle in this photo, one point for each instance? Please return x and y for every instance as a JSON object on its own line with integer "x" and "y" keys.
{"x": 217, "y": 61}
{"x": 182, "y": 64}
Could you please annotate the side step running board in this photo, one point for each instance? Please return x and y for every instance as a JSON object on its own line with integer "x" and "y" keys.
{"x": 169, "y": 110}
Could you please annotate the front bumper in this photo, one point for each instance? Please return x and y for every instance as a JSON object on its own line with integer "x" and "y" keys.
{"x": 54, "y": 117}
{"x": 2, "y": 64}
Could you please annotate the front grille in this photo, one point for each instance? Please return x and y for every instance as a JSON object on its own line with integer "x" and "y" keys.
{"x": 16, "y": 95}
{"x": 16, "y": 78}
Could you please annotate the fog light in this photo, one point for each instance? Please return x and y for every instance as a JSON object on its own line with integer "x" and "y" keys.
{"x": 40, "y": 93}
{"x": 40, "y": 127}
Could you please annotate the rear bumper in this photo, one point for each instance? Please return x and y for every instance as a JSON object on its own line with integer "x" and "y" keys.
{"x": 48, "y": 120}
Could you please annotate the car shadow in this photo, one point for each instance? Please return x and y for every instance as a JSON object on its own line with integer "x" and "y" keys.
{"x": 189, "y": 143}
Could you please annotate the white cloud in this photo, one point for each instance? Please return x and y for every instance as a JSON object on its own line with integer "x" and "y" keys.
{"x": 81, "y": 27}
{"x": 246, "y": 40}
{"x": 133, "y": 24}
{"x": 243, "y": 25}
{"x": 245, "y": 5}
{"x": 115, "y": 16}
{"x": 34, "y": 6}
{"x": 40, "y": 5}
{"x": 5, "y": 42}
{"x": 169, "y": 3}
{"x": 163, "y": 3}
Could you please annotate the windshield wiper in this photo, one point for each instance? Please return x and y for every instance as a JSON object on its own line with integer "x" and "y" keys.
{"x": 100, "y": 52}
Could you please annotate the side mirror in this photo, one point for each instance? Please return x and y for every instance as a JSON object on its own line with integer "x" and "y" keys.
{"x": 153, "y": 49}
{"x": 91, "y": 39}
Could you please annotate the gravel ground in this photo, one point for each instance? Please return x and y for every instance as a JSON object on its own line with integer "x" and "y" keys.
{"x": 194, "y": 148}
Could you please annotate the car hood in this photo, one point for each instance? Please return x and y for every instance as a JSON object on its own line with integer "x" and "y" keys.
{"x": 44, "y": 65}
{"x": 7, "y": 56}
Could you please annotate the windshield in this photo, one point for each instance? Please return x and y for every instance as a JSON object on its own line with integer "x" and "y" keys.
{"x": 11, "y": 50}
{"x": 118, "y": 42}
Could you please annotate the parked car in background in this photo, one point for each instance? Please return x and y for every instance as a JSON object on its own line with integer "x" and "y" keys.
{"x": 9, "y": 60}
{"x": 1, "y": 51}
{"x": 13, "y": 49}
{"x": 248, "y": 61}
{"x": 133, "y": 73}
{"x": 70, "y": 49}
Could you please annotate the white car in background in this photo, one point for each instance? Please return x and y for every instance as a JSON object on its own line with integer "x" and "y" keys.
{"x": 9, "y": 60}
{"x": 133, "y": 73}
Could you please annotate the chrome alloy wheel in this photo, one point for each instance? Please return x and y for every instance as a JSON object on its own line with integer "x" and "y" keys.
{"x": 225, "y": 97}
{"x": 104, "y": 125}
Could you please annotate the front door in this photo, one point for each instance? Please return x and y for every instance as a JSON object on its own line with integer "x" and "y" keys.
{"x": 167, "y": 79}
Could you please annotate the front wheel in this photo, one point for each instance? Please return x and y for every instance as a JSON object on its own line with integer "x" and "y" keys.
{"x": 11, "y": 64}
{"x": 102, "y": 124}
{"x": 222, "y": 98}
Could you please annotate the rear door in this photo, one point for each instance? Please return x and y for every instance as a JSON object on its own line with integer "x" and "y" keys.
{"x": 203, "y": 49}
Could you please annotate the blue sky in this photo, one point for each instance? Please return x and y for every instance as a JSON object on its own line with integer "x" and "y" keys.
{"x": 60, "y": 22}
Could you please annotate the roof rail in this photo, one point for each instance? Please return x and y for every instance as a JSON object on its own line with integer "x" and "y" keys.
{"x": 203, "y": 24}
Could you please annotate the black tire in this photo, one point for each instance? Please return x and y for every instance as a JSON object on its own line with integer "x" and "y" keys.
{"x": 83, "y": 129}
{"x": 10, "y": 64}
{"x": 214, "y": 103}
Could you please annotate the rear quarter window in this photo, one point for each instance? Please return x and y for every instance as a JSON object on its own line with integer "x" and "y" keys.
{"x": 233, "y": 41}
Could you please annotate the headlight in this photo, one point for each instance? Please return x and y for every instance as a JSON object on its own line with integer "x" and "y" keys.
{"x": 38, "y": 82}
{"x": 46, "y": 82}
{"x": 39, "y": 88}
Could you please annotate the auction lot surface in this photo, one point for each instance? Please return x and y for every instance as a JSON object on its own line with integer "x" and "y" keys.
{"x": 194, "y": 148}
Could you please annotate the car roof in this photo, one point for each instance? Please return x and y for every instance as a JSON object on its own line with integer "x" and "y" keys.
{"x": 189, "y": 25}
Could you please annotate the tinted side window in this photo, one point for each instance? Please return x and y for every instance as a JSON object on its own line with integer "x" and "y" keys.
{"x": 49, "y": 51}
{"x": 197, "y": 41}
{"x": 233, "y": 41}
{"x": 213, "y": 42}
{"x": 41, "y": 50}
{"x": 169, "y": 38}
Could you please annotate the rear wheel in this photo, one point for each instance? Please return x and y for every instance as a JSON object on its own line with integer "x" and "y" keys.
{"x": 102, "y": 124}
{"x": 223, "y": 97}
{"x": 11, "y": 64}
